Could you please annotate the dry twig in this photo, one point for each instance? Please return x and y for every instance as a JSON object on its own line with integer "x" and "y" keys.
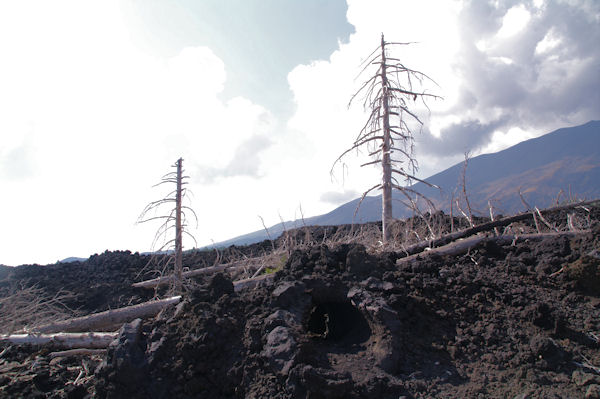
{"x": 26, "y": 307}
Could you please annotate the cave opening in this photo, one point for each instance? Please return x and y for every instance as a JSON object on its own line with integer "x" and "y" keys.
{"x": 338, "y": 321}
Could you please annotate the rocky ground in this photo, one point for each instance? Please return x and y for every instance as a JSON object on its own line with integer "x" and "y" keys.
{"x": 514, "y": 320}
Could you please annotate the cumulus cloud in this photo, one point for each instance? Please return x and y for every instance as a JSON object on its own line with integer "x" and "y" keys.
{"x": 85, "y": 112}
{"x": 323, "y": 89}
{"x": 458, "y": 138}
{"x": 507, "y": 71}
{"x": 531, "y": 65}
{"x": 246, "y": 162}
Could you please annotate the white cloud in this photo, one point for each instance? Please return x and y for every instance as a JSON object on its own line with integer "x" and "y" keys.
{"x": 322, "y": 89}
{"x": 502, "y": 140}
{"x": 99, "y": 122}
{"x": 524, "y": 67}
{"x": 514, "y": 21}
{"x": 88, "y": 122}
{"x": 548, "y": 43}
{"x": 507, "y": 72}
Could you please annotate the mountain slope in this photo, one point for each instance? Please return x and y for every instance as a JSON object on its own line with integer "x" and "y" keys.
{"x": 567, "y": 159}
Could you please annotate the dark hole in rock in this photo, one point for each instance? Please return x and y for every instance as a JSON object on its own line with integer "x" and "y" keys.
{"x": 338, "y": 321}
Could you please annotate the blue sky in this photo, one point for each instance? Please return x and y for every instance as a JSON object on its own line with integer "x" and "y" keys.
{"x": 98, "y": 99}
{"x": 259, "y": 41}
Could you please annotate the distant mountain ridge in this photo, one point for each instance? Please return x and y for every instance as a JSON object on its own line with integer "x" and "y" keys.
{"x": 566, "y": 159}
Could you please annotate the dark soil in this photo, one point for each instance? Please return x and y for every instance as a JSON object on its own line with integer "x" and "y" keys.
{"x": 512, "y": 321}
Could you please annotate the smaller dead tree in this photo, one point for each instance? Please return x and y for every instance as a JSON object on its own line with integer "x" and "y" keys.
{"x": 468, "y": 214}
{"x": 173, "y": 214}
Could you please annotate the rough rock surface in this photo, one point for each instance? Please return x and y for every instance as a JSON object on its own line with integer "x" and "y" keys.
{"x": 510, "y": 321}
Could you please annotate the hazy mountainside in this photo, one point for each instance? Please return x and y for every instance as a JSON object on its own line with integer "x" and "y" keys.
{"x": 566, "y": 159}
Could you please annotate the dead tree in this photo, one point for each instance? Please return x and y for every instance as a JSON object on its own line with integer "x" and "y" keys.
{"x": 463, "y": 185}
{"x": 388, "y": 134}
{"x": 170, "y": 251}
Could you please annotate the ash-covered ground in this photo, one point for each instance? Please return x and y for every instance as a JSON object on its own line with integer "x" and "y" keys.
{"x": 517, "y": 320}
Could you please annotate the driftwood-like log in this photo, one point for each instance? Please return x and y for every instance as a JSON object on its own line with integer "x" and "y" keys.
{"x": 251, "y": 282}
{"x": 109, "y": 319}
{"x": 462, "y": 246}
{"x": 205, "y": 270}
{"x": 421, "y": 246}
{"x": 93, "y": 340}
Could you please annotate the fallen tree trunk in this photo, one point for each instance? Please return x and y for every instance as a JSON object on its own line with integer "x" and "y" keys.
{"x": 155, "y": 282}
{"x": 109, "y": 319}
{"x": 421, "y": 246}
{"x": 91, "y": 340}
{"x": 459, "y": 247}
{"x": 251, "y": 282}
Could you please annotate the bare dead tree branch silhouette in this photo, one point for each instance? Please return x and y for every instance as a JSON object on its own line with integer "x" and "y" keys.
{"x": 388, "y": 134}
{"x": 174, "y": 219}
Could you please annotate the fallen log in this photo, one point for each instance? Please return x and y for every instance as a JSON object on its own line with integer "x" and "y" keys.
{"x": 155, "y": 282}
{"x": 421, "y": 246}
{"x": 459, "y": 247}
{"x": 90, "y": 340}
{"x": 251, "y": 282}
{"x": 109, "y": 319}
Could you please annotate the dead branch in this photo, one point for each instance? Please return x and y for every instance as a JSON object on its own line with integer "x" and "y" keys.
{"x": 550, "y": 226}
{"x": 419, "y": 247}
{"x": 463, "y": 185}
{"x": 251, "y": 282}
{"x": 197, "y": 272}
{"x": 267, "y": 230}
{"x": 458, "y": 247}
{"x": 492, "y": 217}
{"x": 362, "y": 199}
{"x": 535, "y": 221}
{"x": 31, "y": 305}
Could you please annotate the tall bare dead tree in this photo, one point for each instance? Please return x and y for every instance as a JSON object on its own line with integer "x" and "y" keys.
{"x": 388, "y": 133}
{"x": 172, "y": 212}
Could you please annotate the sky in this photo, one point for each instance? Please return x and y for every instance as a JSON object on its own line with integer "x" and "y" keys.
{"x": 99, "y": 99}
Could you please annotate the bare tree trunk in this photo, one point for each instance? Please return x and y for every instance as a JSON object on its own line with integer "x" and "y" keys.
{"x": 386, "y": 217}
{"x": 178, "y": 233}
